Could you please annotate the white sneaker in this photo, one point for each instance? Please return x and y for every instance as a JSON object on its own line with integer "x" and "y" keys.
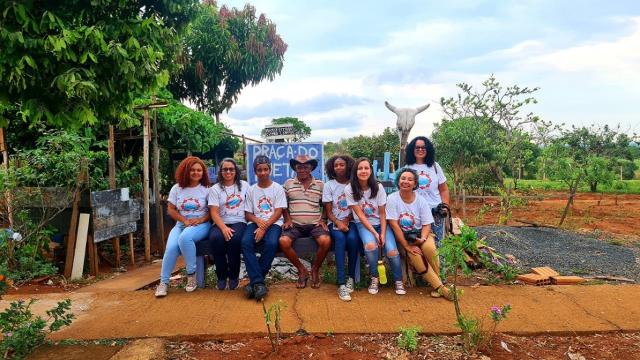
{"x": 191, "y": 283}
{"x": 373, "y": 287}
{"x": 343, "y": 293}
{"x": 351, "y": 285}
{"x": 400, "y": 288}
{"x": 161, "y": 290}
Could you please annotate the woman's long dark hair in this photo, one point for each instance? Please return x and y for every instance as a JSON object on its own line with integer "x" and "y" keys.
{"x": 431, "y": 151}
{"x": 236, "y": 178}
{"x": 328, "y": 166}
{"x": 371, "y": 181}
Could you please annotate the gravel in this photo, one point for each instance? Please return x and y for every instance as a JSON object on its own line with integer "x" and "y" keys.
{"x": 567, "y": 252}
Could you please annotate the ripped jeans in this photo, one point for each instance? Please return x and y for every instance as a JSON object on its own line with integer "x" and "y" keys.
{"x": 371, "y": 250}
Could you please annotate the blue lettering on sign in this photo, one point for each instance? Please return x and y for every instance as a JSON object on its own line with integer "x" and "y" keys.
{"x": 280, "y": 154}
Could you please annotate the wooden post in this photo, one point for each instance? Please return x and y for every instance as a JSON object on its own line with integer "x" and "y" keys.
{"x": 73, "y": 225}
{"x": 5, "y": 165}
{"x": 244, "y": 154}
{"x": 464, "y": 204}
{"x": 131, "y": 251}
{"x": 145, "y": 181}
{"x": 115, "y": 242}
{"x": 156, "y": 184}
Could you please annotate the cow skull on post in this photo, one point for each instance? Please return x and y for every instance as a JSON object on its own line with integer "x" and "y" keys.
{"x": 404, "y": 124}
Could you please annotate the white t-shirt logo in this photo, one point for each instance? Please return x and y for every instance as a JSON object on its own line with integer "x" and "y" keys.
{"x": 407, "y": 221}
{"x": 265, "y": 205}
{"x": 424, "y": 180}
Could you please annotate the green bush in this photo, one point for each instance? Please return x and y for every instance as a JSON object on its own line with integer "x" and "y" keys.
{"x": 22, "y": 331}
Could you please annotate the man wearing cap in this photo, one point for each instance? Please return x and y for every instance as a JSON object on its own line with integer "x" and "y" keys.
{"x": 303, "y": 218}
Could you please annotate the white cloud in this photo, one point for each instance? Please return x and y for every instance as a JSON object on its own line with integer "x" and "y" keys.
{"x": 616, "y": 60}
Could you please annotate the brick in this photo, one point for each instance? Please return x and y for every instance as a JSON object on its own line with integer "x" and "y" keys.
{"x": 567, "y": 280}
{"x": 534, "y": 279}
{"x": 546, "y": 271}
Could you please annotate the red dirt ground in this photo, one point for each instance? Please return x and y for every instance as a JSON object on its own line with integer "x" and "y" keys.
{"x": 605, "y": 216}
{"x": 618, "y": 346}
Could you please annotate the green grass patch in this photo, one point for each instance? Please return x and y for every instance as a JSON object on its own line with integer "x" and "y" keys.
{"x": 617, "y": 187}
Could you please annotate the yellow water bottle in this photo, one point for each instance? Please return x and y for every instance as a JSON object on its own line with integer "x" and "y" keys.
{"x": 382, "y": 271}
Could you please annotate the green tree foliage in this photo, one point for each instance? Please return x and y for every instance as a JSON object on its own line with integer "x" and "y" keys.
{"x": 300, "y": 128}
{"x": 463, "y": 146}
{"x": 226, "y": 50}
{"x": 74, "y": 63}
{"x": 373, "y": 146}
{"x": 503, "y": 105}
{"x": 182, "y": 128}
{"x": 584, "y": 154}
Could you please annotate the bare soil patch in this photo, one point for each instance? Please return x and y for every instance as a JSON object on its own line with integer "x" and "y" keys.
{"x": 384, "y": 346}
{"x": 605, "y": 216}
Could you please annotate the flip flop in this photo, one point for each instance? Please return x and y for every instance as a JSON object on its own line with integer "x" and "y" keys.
{"x": 315, "y": 280}
{"x": 302, "y": 281}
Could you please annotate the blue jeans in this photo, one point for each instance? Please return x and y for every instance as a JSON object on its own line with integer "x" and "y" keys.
{"x": 389, "y": 247}
{"x": 226, "y": 254}
{"x": 182, "y": 241}
{"x": 257, "y": 269}
{"x": 345, "y": 241}
{"x": 438, "y": 229}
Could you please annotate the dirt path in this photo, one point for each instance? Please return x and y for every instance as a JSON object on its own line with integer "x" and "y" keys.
{"x": 132, "y": 280}
{"x": 536, "y": 310}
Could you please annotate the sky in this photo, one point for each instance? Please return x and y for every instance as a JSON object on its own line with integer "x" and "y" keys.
{"x": 345, "y": 58}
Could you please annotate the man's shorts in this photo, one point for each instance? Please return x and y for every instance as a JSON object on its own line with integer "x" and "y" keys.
{"x": 310, "y": 230}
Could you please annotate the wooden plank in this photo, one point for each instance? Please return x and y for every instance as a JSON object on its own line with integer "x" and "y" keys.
{"x": 131, "y": 251}
{"x": 111, "y": 232}
{"x": 106, "y": 216}
{"x": 71, "y": 240}
{"x": 5, "y": 165}
{"x": 107, "y": 197}
{"x": 80, "y": 248}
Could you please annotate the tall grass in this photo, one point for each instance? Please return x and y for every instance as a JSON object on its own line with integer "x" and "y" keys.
{"x": 617, "y": 187}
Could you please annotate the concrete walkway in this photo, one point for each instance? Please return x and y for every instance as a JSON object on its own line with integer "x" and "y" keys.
{"x": 138, "y": 314}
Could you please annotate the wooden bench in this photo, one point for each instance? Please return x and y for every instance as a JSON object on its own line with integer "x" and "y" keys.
{"x": 304, "y": 247}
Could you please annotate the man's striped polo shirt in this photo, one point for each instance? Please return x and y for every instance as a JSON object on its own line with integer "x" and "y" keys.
{"x": 304, "y": 205}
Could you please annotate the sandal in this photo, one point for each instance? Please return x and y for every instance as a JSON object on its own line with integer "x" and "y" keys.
{"x": 302, "y": 281}
{"x": 441, "y": 292}
{"x": 315, "y": 280}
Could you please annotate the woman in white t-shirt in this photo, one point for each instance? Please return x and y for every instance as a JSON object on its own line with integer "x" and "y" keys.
{"x": 410, "y": 219}
{"x": 367, "y": 199}
{"x": 432, "y": 183}
{"x": 188, "y": 207}
{"x": 226, "y": 206}
{"x": 341, "y": 226}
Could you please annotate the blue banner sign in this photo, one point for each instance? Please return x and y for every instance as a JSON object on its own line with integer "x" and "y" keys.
{"x": 280, "y": 154}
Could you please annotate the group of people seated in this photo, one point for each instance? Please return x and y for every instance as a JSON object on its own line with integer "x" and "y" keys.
{"x": 351, "y": 210}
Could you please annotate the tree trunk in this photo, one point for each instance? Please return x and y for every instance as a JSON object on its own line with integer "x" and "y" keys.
{"x": 217, "y": 118}
{"x": 593, "y": 186}
{"x": 572, "y": 194}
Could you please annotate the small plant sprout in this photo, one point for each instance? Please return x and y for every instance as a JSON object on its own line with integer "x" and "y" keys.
{"x": 408, "y": 338}
{"x": 273, "y": 316}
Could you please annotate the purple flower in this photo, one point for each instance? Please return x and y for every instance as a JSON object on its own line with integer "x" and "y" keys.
{"x": 496, "y": 262}
{"x": 496, "y": 310}
{"x": 9, "y": 334}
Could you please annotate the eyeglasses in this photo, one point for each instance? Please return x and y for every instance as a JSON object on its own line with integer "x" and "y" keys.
{"x": 229, "y": 170}
{"x": 421, "y": 148}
